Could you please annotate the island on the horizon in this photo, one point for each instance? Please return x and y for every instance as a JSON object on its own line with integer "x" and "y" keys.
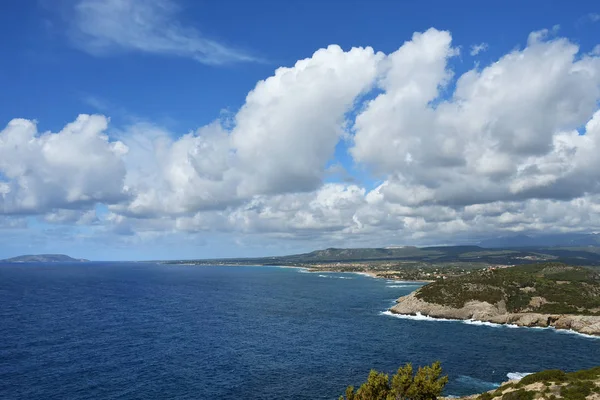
{"x": 536, "y": 295}
{"x": 50, "y": 258}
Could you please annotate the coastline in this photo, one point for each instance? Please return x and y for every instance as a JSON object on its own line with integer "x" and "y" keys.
{"x": 312, "y": 269}
{"x": 477, "y": 312}
{"x": 369, "y": 273}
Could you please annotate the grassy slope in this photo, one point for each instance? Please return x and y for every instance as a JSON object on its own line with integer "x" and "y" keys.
{"x": 567, "y": 289}
{"x": 550, "y": 384}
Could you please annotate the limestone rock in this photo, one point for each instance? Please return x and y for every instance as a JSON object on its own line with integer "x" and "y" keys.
{"x": 483, "y": 311}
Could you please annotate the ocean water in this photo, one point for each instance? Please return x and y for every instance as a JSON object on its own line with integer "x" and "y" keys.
{"x": 150, "y": 331}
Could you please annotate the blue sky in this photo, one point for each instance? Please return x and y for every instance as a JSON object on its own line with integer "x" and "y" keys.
{"x": 155, "y": 71}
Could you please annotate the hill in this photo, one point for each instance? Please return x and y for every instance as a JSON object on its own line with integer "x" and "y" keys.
{"x": 546, "y": 294}
{"x": 550, "y": 240}
{"x": 548, "y": 384}
{"x": 43, "y": 258}
{"x": 548, "y": 288}
{"x": 436, "y": 254}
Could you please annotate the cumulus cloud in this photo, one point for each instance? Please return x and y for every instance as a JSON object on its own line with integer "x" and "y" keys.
{"x": 102, "y": 27}
{"x": 507, "y": 147}
{"x": 289, "y": 127}
{"x": 506, "y": 133}
{"x": 281, "y": 142}
{"x": 73, "y": 168}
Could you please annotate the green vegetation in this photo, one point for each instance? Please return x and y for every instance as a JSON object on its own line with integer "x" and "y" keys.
{"x": 520, "y": 394}
{"x": 578, "y": 390}
{"x": 556, "y": 384}
{"x": 550, "y": 288}
{"x": 426, "y": 384}
{"x": 550, "y": 375}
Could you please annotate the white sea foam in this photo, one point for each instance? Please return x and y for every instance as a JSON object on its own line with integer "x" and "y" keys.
{"x": 363, "y": 274}
{"x": 481, "y": 323}
{"x": 490, "y": 324}
{"x": 417, "y": 317}
{"x": 398, "y": 286}
{"x": 334, "y": 276}
{"x": 517, "y": 375}
{"x": 420, "y": 317}
{"x": 571, "y": 332}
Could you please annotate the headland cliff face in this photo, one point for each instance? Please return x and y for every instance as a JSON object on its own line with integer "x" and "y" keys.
{"x": 496, "y": 313}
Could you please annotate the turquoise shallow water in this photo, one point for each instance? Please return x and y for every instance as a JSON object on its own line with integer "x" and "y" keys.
{"x": 150, "y": 331}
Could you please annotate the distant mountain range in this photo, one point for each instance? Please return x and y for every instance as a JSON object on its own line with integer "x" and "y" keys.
{"x": 552, "y": 240}
{"x": 43, "y": 258}
{"x": 574, "y": 255}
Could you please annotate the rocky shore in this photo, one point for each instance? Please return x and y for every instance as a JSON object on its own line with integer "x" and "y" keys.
{"x": 497, "y": 313}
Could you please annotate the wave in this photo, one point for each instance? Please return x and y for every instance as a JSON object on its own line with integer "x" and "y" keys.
{"x": 517, "y": 375}
{"x": 490, "y": 324}
{"x": 476, "y": 383}
{"x": 363, "y": 274}
{"x": 417, "y": 317}
{"x": 412, "y": 283}
{"x": 421, "y": 317}
{"x": 398, "y": 286}
{"x": 334, "y": 277}
{"x": 572, "y": 332}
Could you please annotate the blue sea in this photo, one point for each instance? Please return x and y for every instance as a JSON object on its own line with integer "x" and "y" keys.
{"x": 151, "y": 331}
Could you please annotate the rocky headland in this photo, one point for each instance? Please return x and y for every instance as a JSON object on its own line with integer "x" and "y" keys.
{"x": 546, "y": 295}
{"x": 497, "y": 314}
{"x": 547, "y": 385}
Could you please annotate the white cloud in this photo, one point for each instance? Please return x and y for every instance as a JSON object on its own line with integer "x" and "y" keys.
{"x": 508, "y": 147}
{"x": 281, "y": 142}
{"x": 478, "y": 48}
{"x": 73, "y": 168}
{"x": 594, "y": 17}
{"x": 102, "y": 27}
{"x": 289, "y": 127}
{"x": 505, "y": 133}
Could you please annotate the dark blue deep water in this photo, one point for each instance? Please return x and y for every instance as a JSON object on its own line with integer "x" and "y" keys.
{"x": 147, "y": 331}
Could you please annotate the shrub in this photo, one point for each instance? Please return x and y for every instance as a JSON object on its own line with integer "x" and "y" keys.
{"x": 485, "y": 396}
{"x": 550, "y": 375}
{"x": 426, "y": 384}
{"x": 520, "y": 394}
{"x": 586, "y": 374}
{"x": 577, "y": 391}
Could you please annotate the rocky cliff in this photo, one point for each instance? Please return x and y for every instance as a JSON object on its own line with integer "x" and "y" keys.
{"x": 549, "y": 384}
{"x": 536, "y": 295}
{"x": 496, "y": 313}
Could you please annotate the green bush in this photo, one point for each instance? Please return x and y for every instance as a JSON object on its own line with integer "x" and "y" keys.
{"x": 520, "y": 394}
{"x": 426, "y": 384}
{"x": 577, "y": 391}
{"x": 485, "y": 396}
{"x": 550, "y": 375}
{"x": 585, "y": 374}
